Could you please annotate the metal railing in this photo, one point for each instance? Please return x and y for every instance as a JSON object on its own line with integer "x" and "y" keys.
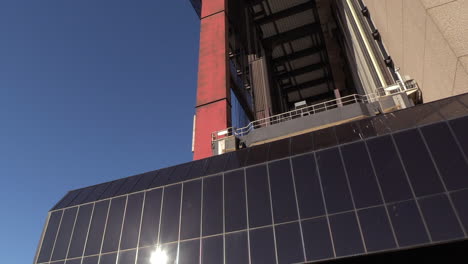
{"x": 314, "y": 109}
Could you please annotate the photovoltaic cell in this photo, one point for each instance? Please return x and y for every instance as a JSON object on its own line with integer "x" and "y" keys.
{"x": 262, "y": 246}
{"x": 170, "y": 214}
{"x": 236, "y": 248}
{"x": 325, "y": 138}
{"x": 181, "y": 172}
{"x": 452, "y": 167}
{"x": 162, "y": 178}
{"x": 69, "y": 197}
{"x": 280, "y": 149}
{"x": 49, "y": 237}
{"x": 81, "y": 229}
{"x": 302, "y": 144}
{"x": 73, "y": 261}
{"x": 127, "y": 257}
{"x": 376, "y": 229}
{"x": 114, "y": 225}
{"x": 408, "y": 225}
{"x": 335, "y": 185}
{"x": 212, "y": 250}
{"x": 234, "y": 201}
{"x": 216, "y": 164}
{"x": 128, "y": 185}
{"x": 258, "y": 196}
{"x": 97, "y": 192}
{"x": 309, "y": 193}
{"x": 348, "y": 132}
{"x": 96, "y": 230}
{"x": 189, "y": 252}
{"x": 440, "y": 218}
{"x": 63, "y": 238}
{"x": 236, "y": 159}
{"x": 418, "y": 163}
{"x": 282, "y": 191}
{"x": 198, "y": 169}
{"x": 144, "y": 181}
{"x": 150, "y": 221}
{"x": 112, "y": 189}
{"x": 288, "y": 243}
{"x": 212, "y": 205}
{"x": 346, "y": 234}
{"x": 82, "y": 195}
{"x": 460, "y": 129}
{"x": 361, "y": 176}
{"x": 91, "y": 260}
{"x": 257, "y": 154}
{"x": 131, "y": 226}
{"x": 191, "y": 210}
{"x": 108, "y": 258}
{"x": 461, "y": 206}
{"x": 317, "y": 241}
{"x": 389, "y": 170}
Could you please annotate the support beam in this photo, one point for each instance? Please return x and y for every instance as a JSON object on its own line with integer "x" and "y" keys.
{"x": 306, "y": 85}
{"x": 303, "y": 70}
{"x": 291, "y": 35}
{"x": 298, "y": 55}
{"x": 213, "y": 109}
{"x": 283, "y": 14}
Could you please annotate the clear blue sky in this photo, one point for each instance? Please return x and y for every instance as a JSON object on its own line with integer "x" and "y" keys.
{"x": 90, "y": 91}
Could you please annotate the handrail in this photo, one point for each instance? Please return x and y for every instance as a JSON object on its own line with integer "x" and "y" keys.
{"x": 314, "y": 109}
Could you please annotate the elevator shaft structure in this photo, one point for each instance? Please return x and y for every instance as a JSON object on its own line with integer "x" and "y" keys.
{"x": 261, "y": 59}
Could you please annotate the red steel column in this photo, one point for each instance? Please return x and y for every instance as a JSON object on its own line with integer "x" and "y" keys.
{"x": 213, "y": 109}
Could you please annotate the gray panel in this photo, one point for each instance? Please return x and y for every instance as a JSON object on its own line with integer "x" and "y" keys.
{"x": 191, "y": 210}
{"x": 170, "y": 214}
{"x": 376, "y": 229}
{"x": 408, "y": 225}
{"x": 63, "y": 238}
{"x": 335, "y": 185}
{"x": 234, "y": 201}
{"x": 131, "y": 226}
{"x": 96, "y": 230}
{"x": 49, "y": 236}
{"x": 346, "y": 234}
{"x": 114, "y": 225}
{"x": 440, "y": 218}
{"x": 289, "y": 243}
{"x": 317, "y": 241}
{"x": 282, "y": 192}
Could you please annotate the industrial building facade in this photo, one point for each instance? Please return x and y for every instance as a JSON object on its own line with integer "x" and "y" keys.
{"x": 309, "y": 146}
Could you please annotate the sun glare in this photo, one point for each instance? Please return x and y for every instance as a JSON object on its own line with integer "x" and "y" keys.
{"x": 158, "y": 257}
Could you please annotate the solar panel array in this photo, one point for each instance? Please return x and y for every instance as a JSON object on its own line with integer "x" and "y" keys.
{"x": 397, "y": 181}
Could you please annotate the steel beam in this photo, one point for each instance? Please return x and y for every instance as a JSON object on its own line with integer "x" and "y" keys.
{"x": 306, "y": 85}
{"x": 298, "y": 55}
{"x": 291, "y": 35}
{"x": 283, "y": 14}
{"x": 303, "y": 70}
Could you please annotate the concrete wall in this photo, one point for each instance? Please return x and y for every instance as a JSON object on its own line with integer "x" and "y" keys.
{"x": 428, "y": 40}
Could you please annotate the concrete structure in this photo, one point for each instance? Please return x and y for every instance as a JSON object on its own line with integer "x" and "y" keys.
{"x": 428, "y": 39}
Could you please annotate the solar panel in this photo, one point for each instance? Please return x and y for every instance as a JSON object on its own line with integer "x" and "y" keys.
{"x": 307, "y": 198}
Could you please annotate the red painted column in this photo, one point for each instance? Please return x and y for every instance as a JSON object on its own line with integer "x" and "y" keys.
{"x": 213, "y": 110}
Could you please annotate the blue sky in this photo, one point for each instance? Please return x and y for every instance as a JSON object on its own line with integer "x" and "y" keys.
{"x": 90, "y": 91}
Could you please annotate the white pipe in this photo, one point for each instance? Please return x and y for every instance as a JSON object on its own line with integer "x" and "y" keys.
{"x": 367, "y": 44}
